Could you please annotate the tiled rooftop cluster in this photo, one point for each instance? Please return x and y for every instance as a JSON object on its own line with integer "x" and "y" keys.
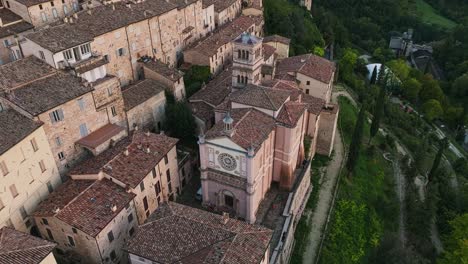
{"x": 20, "y": 248}
{"x": 178, "y": 233}
{"x": 310, "y": 65}
{"x": 86, "y": 204}
{"x": 219, "y": 5}
{"x": 225, "y": 34}
{"x": 131, "y": 159}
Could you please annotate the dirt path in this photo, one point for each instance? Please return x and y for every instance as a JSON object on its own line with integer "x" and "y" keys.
{"x": 320, "y": 214}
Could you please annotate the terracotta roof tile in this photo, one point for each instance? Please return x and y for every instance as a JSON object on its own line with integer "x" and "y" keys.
{"x": 276, "y": 38}
{"x": 46, "y": 93}
{"x": 250, "y": 128}
{"x": 314, "y": 104}
{"x": 20, "y": 248}
{"x": 188, "y": 235}
{"x": 132, "y": 169}
{"x": 268, "y": 51}
{"x": 86, "y": 205}
{"x": 15, "y": 127}
{"x": 140, "y": 92}
{"x": 267, "y": 98}
{"x": 216, "y": 90}
{"x": 170, "y": 73}
{"x": 219, "y": 5}
{"x": 290, "y": 113}
{"x": 310, "y": 65}
{"x": 23, "y": 71}
{"x": 103, "y": 19}
{"x": 202, "y": 110}
{"x": 101, "y": 135}
{"x": 227, "y": 33}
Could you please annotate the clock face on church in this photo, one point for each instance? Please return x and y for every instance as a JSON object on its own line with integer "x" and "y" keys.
{"x": 227, "y": 161}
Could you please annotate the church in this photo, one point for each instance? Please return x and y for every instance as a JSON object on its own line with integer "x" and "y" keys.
{"x": 259, "y": 120}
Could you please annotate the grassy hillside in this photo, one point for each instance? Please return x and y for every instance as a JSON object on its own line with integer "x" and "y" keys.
{"x": 429, "y": 15}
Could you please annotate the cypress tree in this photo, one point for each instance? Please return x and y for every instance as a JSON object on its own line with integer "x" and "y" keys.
{"x": 435, "y": 165}
{"x": 381, "y": 75}
{"x": 356, "y": 141}
{"x": 373, "y": 78}
{"x": 378, "y": 111}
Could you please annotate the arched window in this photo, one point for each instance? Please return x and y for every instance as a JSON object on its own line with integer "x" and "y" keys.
{"x": 238, "y": 78}
{"x": 247, "y": 55}
{"x": 239, "y": 54}
{"x": 243, "y": 54}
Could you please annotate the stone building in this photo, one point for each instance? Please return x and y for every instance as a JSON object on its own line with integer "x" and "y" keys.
{"x": 260, "y": 125}
{"x": 11, "y": 25}
{"x": 280, "y": 43}
{"x": 212, "y": 238}
{"x": 28, "y": 172}
{"x": 215, "y": 51}
{"x": 77, "y": 115}
{"x": 122, "y": 33}
{"x": 145, "y": 105}
{"x": 18, "y": 247}
{"x": 253, "y": 8}
{"x": 170, "y": 77}
{"x": 225, "y": 11}
{"x": 314, "y": 74}
{"x": 92, "y": 219}
{"x": 42, "y": 12}
{"x": 144, "y": 164}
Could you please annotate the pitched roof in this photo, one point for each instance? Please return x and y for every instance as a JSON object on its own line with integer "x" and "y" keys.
{"x": 202, "y": 110}
{"x": 29, "y": 3}
{"x": 100, "y": 136}
{"x": 15, "y": 28}
{"x": 268, "y": 51}
{"x": 250, "y": 128}
{"x": 216, "y": 90}
{"x": 94, "y": 164}
{"x": 227, "y": 33}
{"x": 7, "y": 16}
{"x": 178, "y": 233}
{"x": 267, "y": 98}
{"x": 86, "y": 205}
{"x": 15, "y": 127}
{"x": 276, "y": 38}
{"x": 46, "y": 93}
{"x": 314, "y": 105}
{"x": 140, "y": 92}
{"x": 23, "y": 71}
{"x": 310, "y": 65}
{"x": 132, "y": 169}
{"x": 21, "y": 248}
{"x": 170, "y": 73}
{"x": 102, "y": 19}
{"x": 219, "y": 5}
{"x": 290, "y": 113}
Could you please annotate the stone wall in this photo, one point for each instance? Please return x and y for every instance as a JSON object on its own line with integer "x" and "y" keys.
{"x": 149, "y": 114}
{"x": 29, "y": 180}
{"x": 327, "y": 130}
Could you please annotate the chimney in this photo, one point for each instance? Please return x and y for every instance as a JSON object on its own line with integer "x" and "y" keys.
{"x": 113, "y": 7}
{"x": 126, "y": 152}
{"x": 75, "y": 15}
{"x": 89, "y": 11}
{"x": 225, "y": 218}
{"x": 65, "y": 19}
{"x": 114, "y": 208}
{"x": 148, "y": 150}
{"x": 147, "y": 133}
{"x": 1, "y": 22}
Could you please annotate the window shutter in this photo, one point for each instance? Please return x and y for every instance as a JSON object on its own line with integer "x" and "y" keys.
{"x": 60, "y": 112}
{"x": 51, "y": 114}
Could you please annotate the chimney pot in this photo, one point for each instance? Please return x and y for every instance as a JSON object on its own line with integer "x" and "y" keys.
{"x": 126, "y": 152}
{"x": 147, "y": 133}
{"x": 225, "y": 218}
{"x": 148, "y": 150}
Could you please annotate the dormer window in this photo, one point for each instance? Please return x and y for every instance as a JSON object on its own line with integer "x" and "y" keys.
{"x": 68, "y": 55}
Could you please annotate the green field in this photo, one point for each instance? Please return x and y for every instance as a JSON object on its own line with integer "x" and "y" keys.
{"x": 429, "y": 15}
